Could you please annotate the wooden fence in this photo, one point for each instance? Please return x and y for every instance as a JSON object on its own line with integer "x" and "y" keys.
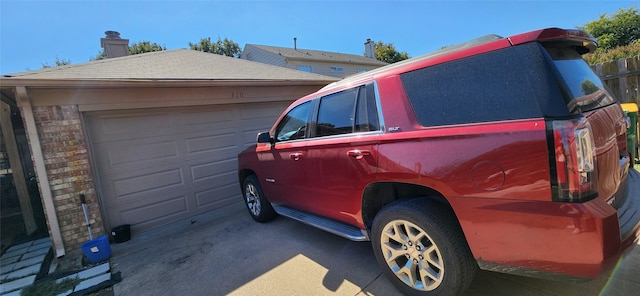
{"x": 622, "y": 77}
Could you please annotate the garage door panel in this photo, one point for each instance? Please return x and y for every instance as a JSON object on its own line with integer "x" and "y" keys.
{"x": 264, "y": 111}
{"x": 144, "y": 198}
{"x": 122, "y": 187}
{"x": 198, "y": 119}
{"x": 155, "y": 181}
{"x": 134, "y": 154}
{"x": 214, "y": 169}
{"x": 222, "y": 195}
{"x": 213, "y": 124}
{"x": 141, "y": 151}
{"x": 224, "y": 185}
{"x": 211, "y": 144}
{"x": 174, "y": 206}
{"x": 202, "y": 159}
{"x": 129, "y": 126}
{"x": 220, "y": 180}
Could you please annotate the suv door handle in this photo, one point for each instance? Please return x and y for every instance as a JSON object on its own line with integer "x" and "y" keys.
{"x": 295, "y": 156}
{"x": 358, "y": 154}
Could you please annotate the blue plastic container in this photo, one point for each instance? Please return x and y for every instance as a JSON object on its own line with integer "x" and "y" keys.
{"x": 97, "y": 250}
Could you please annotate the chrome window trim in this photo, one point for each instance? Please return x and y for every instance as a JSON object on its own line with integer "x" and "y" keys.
{"x": 379, "y": 107}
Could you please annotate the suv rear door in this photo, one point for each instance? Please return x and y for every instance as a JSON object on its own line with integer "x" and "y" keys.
{"x": 341, "y": 157}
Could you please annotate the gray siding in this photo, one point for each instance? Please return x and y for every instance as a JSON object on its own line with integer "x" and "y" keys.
{"x": 252, "y": 53}
{"x": 325, "y": 68}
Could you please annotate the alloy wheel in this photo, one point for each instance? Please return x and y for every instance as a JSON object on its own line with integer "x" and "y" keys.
{"x": 412, "y": 255}
{"x": 252, "y": 198}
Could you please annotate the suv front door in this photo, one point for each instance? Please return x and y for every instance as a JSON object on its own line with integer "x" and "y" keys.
{"x": 283, "y": 162}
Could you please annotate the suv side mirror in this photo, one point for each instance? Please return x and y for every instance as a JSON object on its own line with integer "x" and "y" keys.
{"x": 264, "y": 137}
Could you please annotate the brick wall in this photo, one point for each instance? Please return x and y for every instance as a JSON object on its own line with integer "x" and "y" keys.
{"x": 64, "y": 147}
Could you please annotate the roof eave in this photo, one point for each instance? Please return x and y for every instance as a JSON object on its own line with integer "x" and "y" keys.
{"x": 94, "y": 83}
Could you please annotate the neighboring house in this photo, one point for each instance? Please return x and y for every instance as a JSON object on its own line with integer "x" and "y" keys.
{"x": 150, "y": 139}
{"x": 327, "y": 63}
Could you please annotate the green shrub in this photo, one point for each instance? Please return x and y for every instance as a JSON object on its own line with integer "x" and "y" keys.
{"x": 621, "y": 52}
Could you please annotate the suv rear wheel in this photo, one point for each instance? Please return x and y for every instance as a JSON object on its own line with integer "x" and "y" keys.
{"x": 258, "y": 206}
{"x": 422, "y": 250}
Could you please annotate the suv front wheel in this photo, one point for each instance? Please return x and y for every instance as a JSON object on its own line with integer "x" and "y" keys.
{"x": 421, "y": 249}
{"x": 258, "y": 206}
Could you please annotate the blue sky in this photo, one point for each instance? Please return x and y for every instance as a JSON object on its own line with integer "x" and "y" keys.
{"x": 33, "y": 33}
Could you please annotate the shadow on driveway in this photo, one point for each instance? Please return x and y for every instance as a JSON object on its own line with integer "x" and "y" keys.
{"x": 225, "y": 252}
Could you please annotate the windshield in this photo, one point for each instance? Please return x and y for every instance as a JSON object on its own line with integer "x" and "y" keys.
{"x": 585, "y": 89}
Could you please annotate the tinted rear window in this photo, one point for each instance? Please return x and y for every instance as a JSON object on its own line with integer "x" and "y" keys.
{"x": 584, "y": 89}
{"x": 511, "y": 83}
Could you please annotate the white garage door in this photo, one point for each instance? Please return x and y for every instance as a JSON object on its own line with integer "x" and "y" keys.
{"x": 157, "y": 166}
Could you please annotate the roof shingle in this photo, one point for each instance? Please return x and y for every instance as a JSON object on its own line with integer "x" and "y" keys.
{"x": 179, "y": 64}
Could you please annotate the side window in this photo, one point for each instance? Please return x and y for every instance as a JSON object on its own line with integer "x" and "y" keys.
{"x": 367, "y": 112}
{"x": 349, "y": 111}
{"x": 305, "y": 68}
{"x": 293, "y": 125}
{"x": 336, "y": 114}
{"x": 505, "y": 84}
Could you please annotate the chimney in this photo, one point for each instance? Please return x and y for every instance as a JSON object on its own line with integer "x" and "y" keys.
{"x": 295, "y": 43}
{"x": 369, "y": 49}
{"x": 113, "y": 45}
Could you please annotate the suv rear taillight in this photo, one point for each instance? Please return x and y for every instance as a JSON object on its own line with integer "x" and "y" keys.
{"x": 574, "y": 161}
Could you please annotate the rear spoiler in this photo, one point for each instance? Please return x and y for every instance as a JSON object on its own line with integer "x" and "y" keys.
{"x": 581, "y": 39}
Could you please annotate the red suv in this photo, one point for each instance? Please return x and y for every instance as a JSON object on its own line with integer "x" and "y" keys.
{"x": 505, "y": 154}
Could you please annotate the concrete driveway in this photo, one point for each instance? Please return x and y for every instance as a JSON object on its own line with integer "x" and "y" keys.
{"x": 225, "y": 252}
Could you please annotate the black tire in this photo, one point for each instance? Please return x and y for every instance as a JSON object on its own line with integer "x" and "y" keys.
{"x": 421, "y": 248}
{"x": 258, "y": 206}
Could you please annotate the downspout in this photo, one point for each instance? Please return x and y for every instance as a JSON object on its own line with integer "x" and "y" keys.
{"x": 41, "y": 171}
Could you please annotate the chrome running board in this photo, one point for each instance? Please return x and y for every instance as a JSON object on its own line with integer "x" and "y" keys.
{"x": 338, "y": 228}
